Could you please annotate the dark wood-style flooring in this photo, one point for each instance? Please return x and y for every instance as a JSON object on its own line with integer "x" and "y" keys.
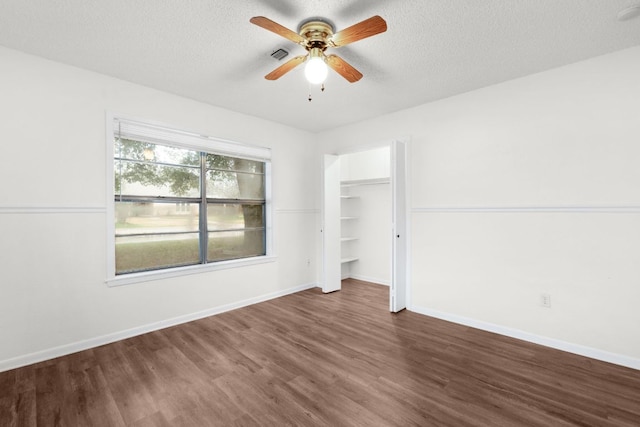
{"x": 311, "y": 359}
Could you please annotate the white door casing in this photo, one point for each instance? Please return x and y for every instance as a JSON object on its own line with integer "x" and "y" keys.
{"x": 331, "y": 265}
{"x": 399, "y": 251}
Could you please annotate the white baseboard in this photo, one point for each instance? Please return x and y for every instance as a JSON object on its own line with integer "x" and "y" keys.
{"x": 368, "y": 279}
{"x": 581, "y": 350}
{"x": 75, "y": 347}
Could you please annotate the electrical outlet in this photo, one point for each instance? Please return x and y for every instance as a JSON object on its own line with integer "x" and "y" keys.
{"x": 545, "y": 300}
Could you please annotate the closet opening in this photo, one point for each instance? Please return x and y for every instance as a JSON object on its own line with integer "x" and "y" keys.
{"x": 364, "y": 220}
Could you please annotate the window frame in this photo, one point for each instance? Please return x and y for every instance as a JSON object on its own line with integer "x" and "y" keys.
{"x": 159, "y": 133}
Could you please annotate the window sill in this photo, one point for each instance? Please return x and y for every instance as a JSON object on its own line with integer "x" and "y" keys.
{"x": 146, "y": 276}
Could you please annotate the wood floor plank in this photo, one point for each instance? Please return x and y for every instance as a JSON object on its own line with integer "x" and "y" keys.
{"x": 314, "y": 359}
{"x": 156, "y": 419}
{"x": 335, "y": 406}
{"x": 53, "y": 385}
{"x": 129, "y": 390}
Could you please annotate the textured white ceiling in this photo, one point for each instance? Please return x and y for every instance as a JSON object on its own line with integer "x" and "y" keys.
{"x": 207, "y": 50}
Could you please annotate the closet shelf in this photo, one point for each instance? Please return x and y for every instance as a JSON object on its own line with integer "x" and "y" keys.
{"x": 373, "y": 181}
{"x": 347, "y": 260}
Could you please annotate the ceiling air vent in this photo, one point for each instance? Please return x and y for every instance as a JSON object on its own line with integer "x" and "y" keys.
{"x": 279, "y": 53}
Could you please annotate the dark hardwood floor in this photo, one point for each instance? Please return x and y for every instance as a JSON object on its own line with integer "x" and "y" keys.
{"x": 311, "y": 359}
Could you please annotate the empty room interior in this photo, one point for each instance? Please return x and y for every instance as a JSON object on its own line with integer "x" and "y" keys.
{"x": 338, "y": 212}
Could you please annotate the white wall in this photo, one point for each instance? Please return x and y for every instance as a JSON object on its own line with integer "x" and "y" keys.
{"x": 53, "y": 298}
{"x": 523, "y": 188}
{"x": 374, "y": 163}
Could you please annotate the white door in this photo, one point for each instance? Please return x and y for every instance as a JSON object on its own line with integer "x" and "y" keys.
{"x": 398, "y": 289}
{"x": 331, "y": 266}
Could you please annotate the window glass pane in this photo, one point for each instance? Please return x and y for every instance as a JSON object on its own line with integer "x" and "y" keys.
{"x": 234, "y": 216}
{"x": 149, "y": 218}
{"x": 235, "y": 244}
{"x": 216, "y": 161}
{"x": 151, "y": 252}
{"x": 160, "y": 190}
{"x": 234, "y": 185}
{"x": 156, "y": 153}
{"x": 150, "y": 236}
{"x": 150, "y": 179}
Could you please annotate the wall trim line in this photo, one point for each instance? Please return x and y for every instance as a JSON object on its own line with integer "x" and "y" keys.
{"x": 75, "y": 347}
{"x": 52, "y": 210}
{"x": 527, "y": 209}
{"x": 96, "y": 209}
{"x": 581, "y": 350}
{"x": 297, "y": 211}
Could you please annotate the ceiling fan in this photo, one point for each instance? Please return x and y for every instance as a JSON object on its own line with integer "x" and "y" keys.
{"x": 316, "y": 35}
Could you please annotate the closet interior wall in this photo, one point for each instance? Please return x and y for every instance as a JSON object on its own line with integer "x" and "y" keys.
{"x": 366, "y": 216}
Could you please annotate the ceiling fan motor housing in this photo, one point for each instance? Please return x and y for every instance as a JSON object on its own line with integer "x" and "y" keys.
{"x": 317, "y": 34}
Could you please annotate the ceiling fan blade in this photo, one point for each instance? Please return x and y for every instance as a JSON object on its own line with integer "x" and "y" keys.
{"x": 362, "y": 30}
{"x": 274, "y": 27}
{"x": 343, "y": 68}
{"x": 286, "y": 67}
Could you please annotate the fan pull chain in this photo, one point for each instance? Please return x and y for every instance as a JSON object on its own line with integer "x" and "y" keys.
{"x": 310, "y": 87}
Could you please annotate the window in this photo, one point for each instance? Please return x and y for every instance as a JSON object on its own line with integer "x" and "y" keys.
{"x": 180, "y": 199}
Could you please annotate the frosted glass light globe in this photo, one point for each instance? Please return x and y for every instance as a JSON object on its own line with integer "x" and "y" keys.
{"x": 315, "y": 71}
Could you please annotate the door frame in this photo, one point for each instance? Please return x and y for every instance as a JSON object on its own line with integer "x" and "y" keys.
{"x": 330, "y": 229}
{"x": 397, "y": 164}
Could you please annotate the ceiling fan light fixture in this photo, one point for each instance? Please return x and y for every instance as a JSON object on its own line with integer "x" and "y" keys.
{"x": 316, "y": 69}
{"x": 316, "y": 35}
